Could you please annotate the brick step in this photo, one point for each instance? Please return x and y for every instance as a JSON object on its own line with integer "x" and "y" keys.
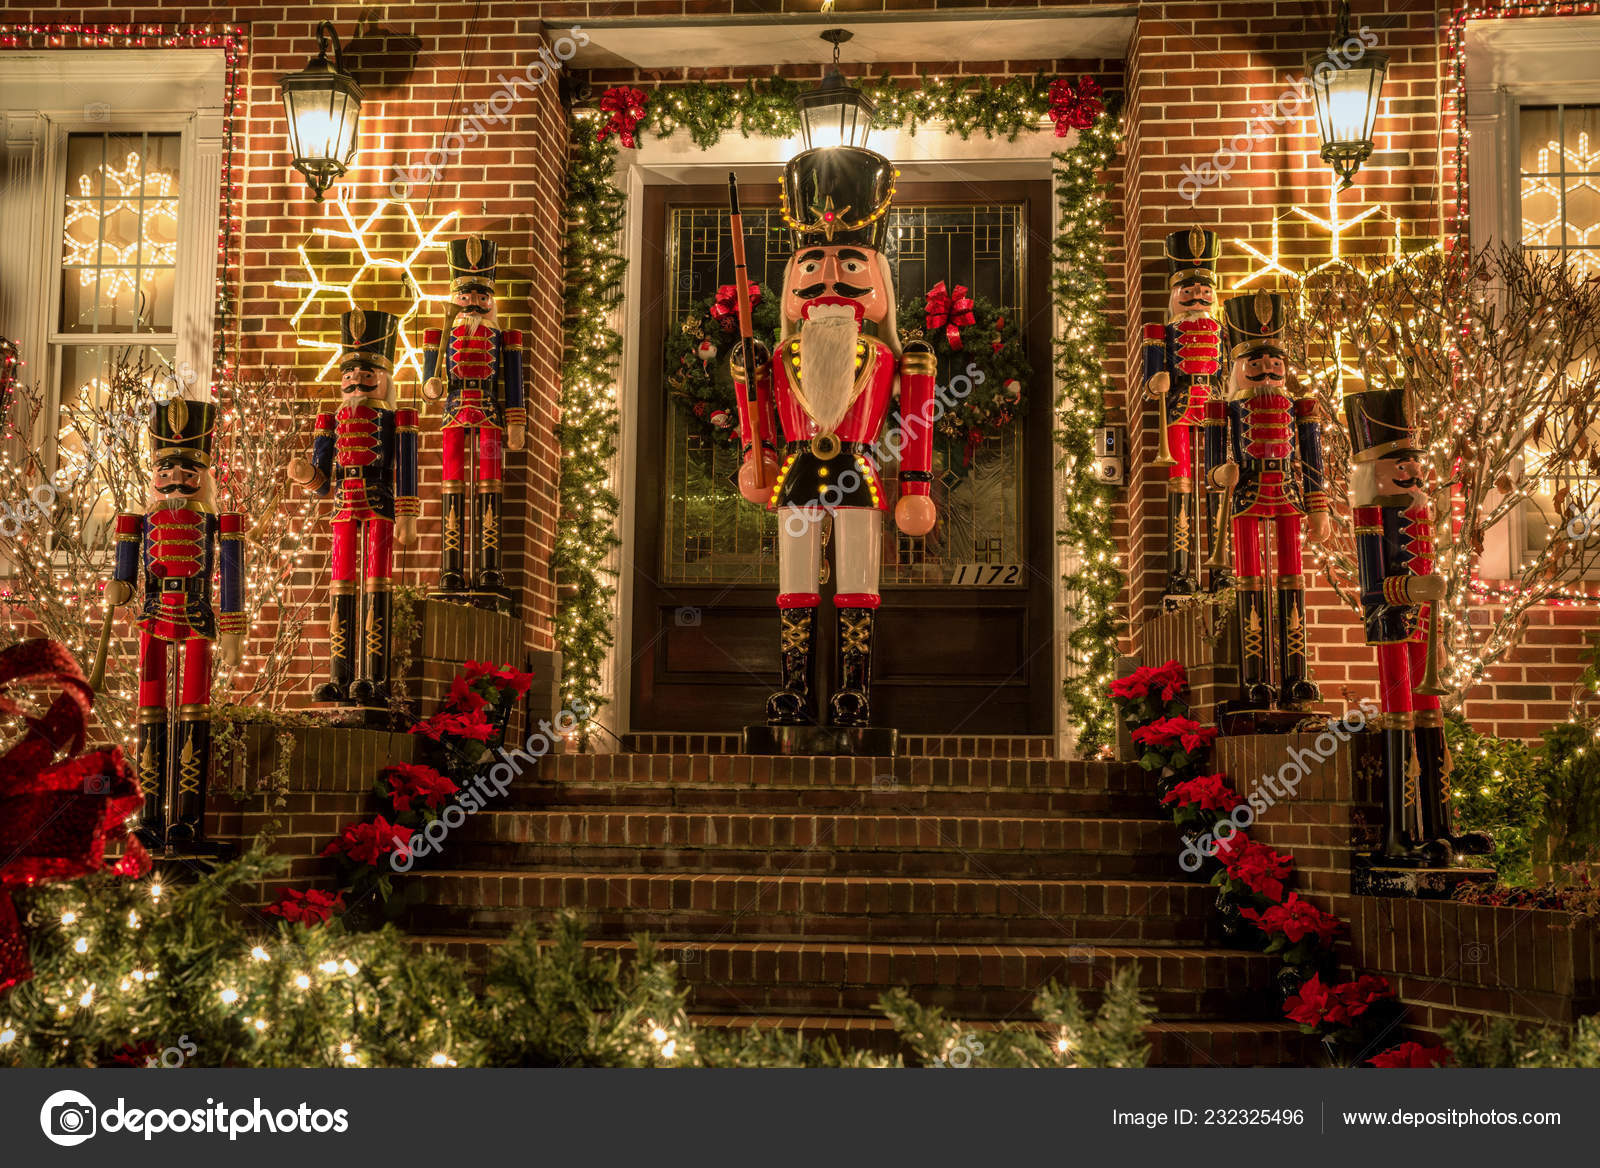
{"x": 968, "y": 981}
{"x": 846, "y": 908}
{"x": 919, "y": 845}
{"x": 1201, "y": 1043}
{"x": 641, "y": 793}
{"x": 911, "y": 745}
{"x": 743, "y": 770}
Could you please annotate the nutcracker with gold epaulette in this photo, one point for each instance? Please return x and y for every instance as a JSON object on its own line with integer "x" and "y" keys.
{"x": 1400, "y": 594}
{"x": 1181, "y": 362}
{"x": 477, "y": 368}
{"x": 1268, "y": 457}
{"x": 180, "y": 542}
{"x": 365, "y": 454}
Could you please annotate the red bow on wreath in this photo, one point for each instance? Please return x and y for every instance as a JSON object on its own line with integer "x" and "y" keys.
{"x": 626, "y": 107}
{"x": 55, "y": 817}
{"x": 950, "y": 310}
{"x": 725, "y": 306}
{"x": 1074, "y": 107}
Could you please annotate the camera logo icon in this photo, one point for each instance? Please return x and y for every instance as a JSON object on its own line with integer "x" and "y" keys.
{"x": 686, "y": 618}
{"x": 68, "y": 1118}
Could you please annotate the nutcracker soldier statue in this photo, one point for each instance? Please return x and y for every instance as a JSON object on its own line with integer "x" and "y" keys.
{"x": 1399, "y": 595}
{"x": 366, "y": 455}
{"x": 1267, "y": 459}
{"x": 179, "y": 541}
{"x": 1181, "y": 360}
{"x": 477, "y": 367}
{"x": 838, "y": 365}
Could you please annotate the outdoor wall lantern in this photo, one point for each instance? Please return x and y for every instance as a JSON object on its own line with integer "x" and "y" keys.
{"x": 1346, "y": 82}
{"x": 835, "y": 113}
{"x": 323, "y": 105}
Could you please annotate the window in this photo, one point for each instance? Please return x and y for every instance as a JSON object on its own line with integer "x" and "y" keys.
{"x": 1560, "y": 181}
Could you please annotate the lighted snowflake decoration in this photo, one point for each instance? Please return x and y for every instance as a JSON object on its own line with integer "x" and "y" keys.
{"x": 1553, "y": 231}
{"x": 370, "y": 257}
{"x": 104, "y": 195}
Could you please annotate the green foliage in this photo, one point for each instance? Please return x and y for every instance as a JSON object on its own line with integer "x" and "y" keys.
{"x": 1065, "y": 1035}
{"x": 1500, "y": 1043}
{"x": 991, "y": 347}
{"x": 1495, "y": 787}
{"x": 703, "y": 388}
{"x": 1569, "y": 774}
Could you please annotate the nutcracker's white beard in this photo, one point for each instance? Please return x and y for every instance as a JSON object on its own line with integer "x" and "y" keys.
{"x": 828, "y": 362}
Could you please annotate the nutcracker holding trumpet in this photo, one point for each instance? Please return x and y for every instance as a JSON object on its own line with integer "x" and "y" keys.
{"x": 1265, "y": 456}
{"x": 1400, "y": 593}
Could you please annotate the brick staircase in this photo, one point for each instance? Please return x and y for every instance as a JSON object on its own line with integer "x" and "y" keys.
{"x": 794, "y": 892}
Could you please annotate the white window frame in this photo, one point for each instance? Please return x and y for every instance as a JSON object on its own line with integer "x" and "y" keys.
{"x": 1510, "y": 64}
{"x": 47, "y": 96}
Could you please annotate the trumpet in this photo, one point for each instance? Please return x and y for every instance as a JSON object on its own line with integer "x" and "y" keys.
{"x": 1430, "y": 686}
{"x": 1164, "y": 453}
{"x": 1222, "y": 542}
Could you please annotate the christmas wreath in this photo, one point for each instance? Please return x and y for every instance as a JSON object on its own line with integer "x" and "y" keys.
{"x": 983, "y": 364}
{"x": 698, "y": 377}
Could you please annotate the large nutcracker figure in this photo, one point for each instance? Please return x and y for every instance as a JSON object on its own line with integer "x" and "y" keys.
{"x": 1181, "y": 361}
{"x": 1399, "y": 592}
{"x": 477, "y": 367}
{"x": 180, "y": 541}
{"x": 366, "y": 454}
{"x": 1267, "y": 457}
{"x": 838, "y": 365}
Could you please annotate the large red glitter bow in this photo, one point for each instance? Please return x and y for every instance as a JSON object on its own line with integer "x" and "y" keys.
{"x": 1075, "y": 107}
{"x": 626, "y": 105}
{"x": 55, "y": 817}
{"x": 950, "y": 310}
{"x": 725, "y": 306}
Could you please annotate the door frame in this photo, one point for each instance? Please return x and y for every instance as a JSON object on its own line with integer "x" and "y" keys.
{"x": 929, "y": 156}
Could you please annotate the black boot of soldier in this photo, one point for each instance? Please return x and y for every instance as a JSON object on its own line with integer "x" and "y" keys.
{"x": 342, "y": 635}
{"x": 795, "y": 704}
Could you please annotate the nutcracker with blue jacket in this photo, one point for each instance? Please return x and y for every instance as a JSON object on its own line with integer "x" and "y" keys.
{"x": 365, "y": 455}
{"x": 180, "y": 542}
{"x": 1400, "y": 591}
{"x": 477, "y": 367}
{"x": 838, "y": 366}
{"x": 1267, "y": 459}
{"x": 1181, "y": 362}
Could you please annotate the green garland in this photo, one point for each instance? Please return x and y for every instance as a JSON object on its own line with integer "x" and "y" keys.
{"x": 594, "y": 265}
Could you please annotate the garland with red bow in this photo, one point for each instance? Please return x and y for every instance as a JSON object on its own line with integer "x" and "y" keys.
{"x": 1075, "y": 107}
{"x": 698, "y": 377}
{"x": 56, "y": 818}
{"x": 626, "y": 107}
{"x": 983, "y": 363}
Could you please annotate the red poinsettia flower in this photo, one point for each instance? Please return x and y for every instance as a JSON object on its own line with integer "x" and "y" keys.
{"x": 459, "y": 723}
{"x": 1310, "y": 1005}
{"x": 1161, "y": 732}
{"x": 1317, "y": 1002}
{"x": 1412, "y": 1054}
{"x": 1257, "y": 866}
{"x": 1208, "y": 792}
{"x": 502, "y": 677}
{"x": 463, "y": 697}
{"x": 413, "y": 783}
{"x": 1196, "y": 738}
{"x": 1356, "y": 997}
{"x": 1170, "y": 678}
{"x": 137, "y": 1054}
{"x": 1133, "y": 687}
{"x": 1295, "y": 920}
{"x": 311, "y": 907}
{"x": 367, "y": 843}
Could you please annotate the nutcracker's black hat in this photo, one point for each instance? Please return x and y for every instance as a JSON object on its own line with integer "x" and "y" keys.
{"x": 472, "y": 263}
{"x": 838, "y": 195}
{"x": 1256, "y": 323}
{"x": 366, "y": 338}
{"x": 1380, "y": 422}
{"x": 1192, "y": 255}
{"x": 181, "y": 428}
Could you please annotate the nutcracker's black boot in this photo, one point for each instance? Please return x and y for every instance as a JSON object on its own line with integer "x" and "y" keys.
{"x": 1181, "y": 581}
{"x": 1255, "y": 691}
{"x": 192, "y": 770}
{"x": 1397, "y": 848}
{"x": 796, "y": 703}
{"x": 372, "y": 687}
{"x": 151, "y": 765}
{"x": 1433, "y": 759}
{"x": 488, "y": 574}
{"x": 851, "y": 703}
{"x": 453, "y": 537}
{"x": 1297, "y": 690}
{"x": 1222, "y": 577}
{"x": 342, "y": 643}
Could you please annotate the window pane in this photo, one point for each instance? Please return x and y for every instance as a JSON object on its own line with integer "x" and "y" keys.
{"x": 1541, "y": 148}
{"x": 120, "y": 233}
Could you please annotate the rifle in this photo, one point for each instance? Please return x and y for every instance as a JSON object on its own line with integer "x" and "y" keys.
{"x": 741, "y": 284}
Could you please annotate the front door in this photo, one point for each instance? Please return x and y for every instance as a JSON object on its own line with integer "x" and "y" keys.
{"x": 964, "y": 637}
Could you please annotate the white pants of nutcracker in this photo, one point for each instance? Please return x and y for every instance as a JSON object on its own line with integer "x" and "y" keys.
{"x": 858, "y": 559}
